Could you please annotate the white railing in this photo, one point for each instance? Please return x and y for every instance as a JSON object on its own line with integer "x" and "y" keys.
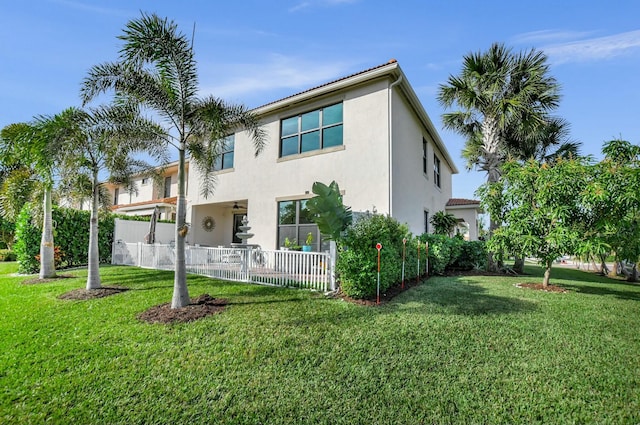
{"x": 309, "y": 270}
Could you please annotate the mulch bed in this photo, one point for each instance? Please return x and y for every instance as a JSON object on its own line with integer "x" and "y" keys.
{"x": 36, "y": 280}
{"x": 200, "y": 307}
{"x": 539, "y": 287}
{"x": 83, "y": 294}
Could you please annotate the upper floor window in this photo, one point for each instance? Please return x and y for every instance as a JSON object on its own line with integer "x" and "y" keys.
{"x": 436, "y": 170}
{"x": 226, "y": 154}
{"x": 145, "y": 180}
{"x": 319, "y": 129}
{"x": 116, "y": 195}
{"x": 424, "y": 156}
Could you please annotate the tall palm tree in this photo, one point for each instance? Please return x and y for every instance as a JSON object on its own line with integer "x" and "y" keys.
{"x": 105, "y": 139}
{"x": 157, "y": 68}
{"x": 31, "y": 145}
{"x": 495, "y": 91}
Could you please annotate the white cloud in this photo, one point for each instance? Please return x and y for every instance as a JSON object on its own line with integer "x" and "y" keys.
{"x": 278, "y": 72}
{"x": 568, "y": 46}
{"x": 595, "y": 48}
{"x": 309, "y": 3}
{"x": 548, "y": 36}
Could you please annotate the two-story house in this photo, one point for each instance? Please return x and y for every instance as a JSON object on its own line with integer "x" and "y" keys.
{"x": 367, "y": 131}
{"x": 148, "y": 194}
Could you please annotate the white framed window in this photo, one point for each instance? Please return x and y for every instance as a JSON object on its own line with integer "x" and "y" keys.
{"x": 436, "y": 170}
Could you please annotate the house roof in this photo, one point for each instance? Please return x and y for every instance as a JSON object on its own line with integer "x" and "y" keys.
{"x": 162, "y": 202}
{"x": 457, "y": 202}
{"x": 390, "y": 70}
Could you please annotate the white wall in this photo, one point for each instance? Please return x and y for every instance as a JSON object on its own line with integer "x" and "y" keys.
{"x": 135, "y": 231}
{"x": 360, "y": 166}
{"x": 413, "y": 190}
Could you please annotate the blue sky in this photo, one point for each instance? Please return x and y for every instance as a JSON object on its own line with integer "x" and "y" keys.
{"x": 254, "y": 52}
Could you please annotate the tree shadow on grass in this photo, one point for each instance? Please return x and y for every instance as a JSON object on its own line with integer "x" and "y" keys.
{"x": 459, "y": 297}
{"x": 607, "y": 291}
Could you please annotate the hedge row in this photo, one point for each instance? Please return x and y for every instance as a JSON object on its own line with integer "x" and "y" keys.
{"x": 357, "y": 262}
{"x": 70, "y": 235}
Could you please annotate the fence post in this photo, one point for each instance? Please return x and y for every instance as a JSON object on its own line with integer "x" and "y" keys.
{"x": 139, "y": 261}
{"x": 333, "y": 254}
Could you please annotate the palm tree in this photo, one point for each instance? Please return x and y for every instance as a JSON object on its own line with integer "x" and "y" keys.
{"x": 157, "y": 68}
{"x": 105, "y": 139}
{"x": 31, "y": 145}
{"x": 496, "y": 91}
{"x": 544, "y": 143}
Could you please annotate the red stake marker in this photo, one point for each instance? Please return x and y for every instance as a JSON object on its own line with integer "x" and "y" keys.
{"x": 378, "y": 247}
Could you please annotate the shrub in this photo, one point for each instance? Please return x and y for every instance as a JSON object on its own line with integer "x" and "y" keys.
{"x": 27, "y": 244}
{"x": 70, "y": 234}
{"x": 472, "y": 256}
{"x": 357, "y": 263}
{"x": 447, "y": 253}
{"x": 7, "y": 255}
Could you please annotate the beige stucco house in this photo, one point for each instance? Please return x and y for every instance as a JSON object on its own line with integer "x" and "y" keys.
{"x": 367, "y": 131}
{"x": 148, "y": 194}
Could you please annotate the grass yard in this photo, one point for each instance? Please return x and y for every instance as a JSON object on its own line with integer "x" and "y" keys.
{"x": 452, "y": 350}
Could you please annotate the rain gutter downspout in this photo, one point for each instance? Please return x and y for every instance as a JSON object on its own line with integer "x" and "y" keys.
{"x": 389, "y": 147}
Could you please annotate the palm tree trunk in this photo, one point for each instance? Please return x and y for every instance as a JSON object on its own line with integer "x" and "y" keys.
{"x": 491, "y": 154}
{"x": 180, "y": 290}
{"x": 93, "y": 276}
{"x": 47, "y": 260}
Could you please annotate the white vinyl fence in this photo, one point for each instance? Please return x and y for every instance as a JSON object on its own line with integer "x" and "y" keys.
{"x": 309, "y": 270}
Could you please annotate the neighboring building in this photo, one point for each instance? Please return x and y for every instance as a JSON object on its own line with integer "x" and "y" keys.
{"x": 466, "y": 210}
{"x": 148, "y": 195}
{"x": 368, "y": 132}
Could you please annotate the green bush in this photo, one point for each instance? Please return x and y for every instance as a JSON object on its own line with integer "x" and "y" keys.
{"x": 7, "y": 255}
{"x": 357, "y": 263}
{"x": 453, "y": 253}
{"x": 27, "y": 244}
{"x": 70, "y": 234}
{"x": 472, "y": 256}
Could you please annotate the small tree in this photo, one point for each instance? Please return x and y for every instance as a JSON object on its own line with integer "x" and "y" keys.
{"x": 541, "y": 208}
{"x": 444, "y": 223}
{"x": 33, "y": 146}
{"x": 328, "y": 211}
{"x": 614, "y": 202}
{"x": 157, "y": 68}
{"x": 105, "y": 139}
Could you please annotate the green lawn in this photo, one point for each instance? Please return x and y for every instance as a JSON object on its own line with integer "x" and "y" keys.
{"x": 452, "y": 350}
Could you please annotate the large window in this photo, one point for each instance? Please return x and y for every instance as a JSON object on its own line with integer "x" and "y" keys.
{"x": 294, "y": 224}
{"x": 319, "y": 129}
{"x": 436, "y": 170}
{"x": 225, "y": 156}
